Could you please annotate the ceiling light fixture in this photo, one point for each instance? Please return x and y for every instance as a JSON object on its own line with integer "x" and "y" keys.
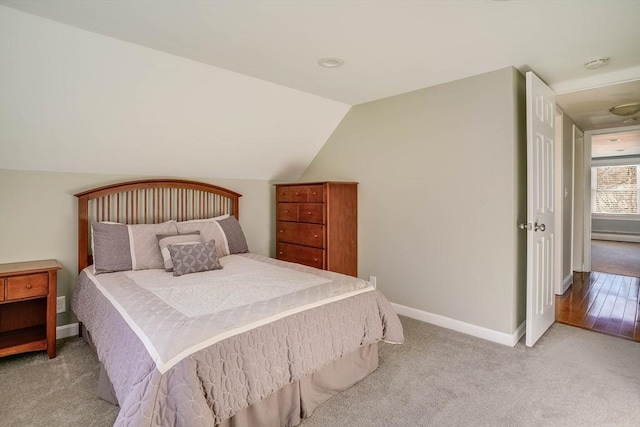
{"x": 625, "y": 109}
{"x": 330, "y": 62}
{"x": 596, "y": 63}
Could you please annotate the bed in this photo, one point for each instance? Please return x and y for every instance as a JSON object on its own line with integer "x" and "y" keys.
{"x": 191, "y": 329}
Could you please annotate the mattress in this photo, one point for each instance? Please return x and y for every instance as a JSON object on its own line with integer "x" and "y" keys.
{"x": 197, "y": 349}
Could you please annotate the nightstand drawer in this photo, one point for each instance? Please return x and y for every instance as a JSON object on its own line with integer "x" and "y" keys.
{"x": 29, "y": 286}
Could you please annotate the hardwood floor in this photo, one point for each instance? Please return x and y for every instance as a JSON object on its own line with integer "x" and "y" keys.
{"x": 602, "y": 302}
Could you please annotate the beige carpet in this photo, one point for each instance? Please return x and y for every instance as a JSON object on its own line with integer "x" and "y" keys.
{"x": 615, "y": 257}
{"x": 437, "y": 378}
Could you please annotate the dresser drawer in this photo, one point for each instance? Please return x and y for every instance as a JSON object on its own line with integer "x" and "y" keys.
{"x": 31, "y": 285}
{"x": 305, "y": 255}
{"x": 302, "y": 234}
{"x": 300, "y": 212}
{"x": 287, "y": 212}
{"x": 300, "y": 193}
{"x": 311, "y": 212}
{"x": 1, "y": 290}
{"x": 315, "y": 193}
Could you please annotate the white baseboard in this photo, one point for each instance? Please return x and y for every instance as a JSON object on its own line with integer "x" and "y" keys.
{"x": 616, "y": 237}
{"x": 466, "y": 328}
{"x": 65, "y": 331}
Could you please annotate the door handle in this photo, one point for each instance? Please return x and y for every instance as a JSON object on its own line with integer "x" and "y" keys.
{"x": 525, "y": 226}
{"x": 540, "y": 227}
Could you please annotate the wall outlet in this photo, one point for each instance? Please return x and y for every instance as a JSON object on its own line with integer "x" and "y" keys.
{"x": 372, "y": 280}
{"x": 61, "y": 305}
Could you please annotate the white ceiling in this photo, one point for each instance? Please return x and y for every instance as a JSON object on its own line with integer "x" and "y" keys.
{"x": 590, "y": 108}
{"x": 615, "y": 144}
{"x": 388, "y": 47}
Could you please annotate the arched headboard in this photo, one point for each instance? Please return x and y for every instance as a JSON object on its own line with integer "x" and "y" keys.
{"x": 149, "y": 202}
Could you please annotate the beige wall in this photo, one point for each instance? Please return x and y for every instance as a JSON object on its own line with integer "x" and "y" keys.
{"x": 442, "y": 184}
{"x": 38, "y": 217}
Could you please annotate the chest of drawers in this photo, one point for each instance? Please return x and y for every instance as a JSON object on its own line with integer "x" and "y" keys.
{"x": 317, "y": 225}
{"x": 28, "y": 292}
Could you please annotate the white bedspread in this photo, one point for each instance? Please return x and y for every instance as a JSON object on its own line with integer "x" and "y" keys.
{"x": 242, "y": 281}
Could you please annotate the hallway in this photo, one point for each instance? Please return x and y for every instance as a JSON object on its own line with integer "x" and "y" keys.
{"x": 615, "y": 257}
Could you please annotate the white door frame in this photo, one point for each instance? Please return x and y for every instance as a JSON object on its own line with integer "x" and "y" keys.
{"x": 578, "y": 196}
{"x": 586, "y": 187}
{"x": 577, "y": 133}
{"x": 559, "y": 196}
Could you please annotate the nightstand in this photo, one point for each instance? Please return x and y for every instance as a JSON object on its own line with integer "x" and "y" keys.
{"x": 28, "y": 292}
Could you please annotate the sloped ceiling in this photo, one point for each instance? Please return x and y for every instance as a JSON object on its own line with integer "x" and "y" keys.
{"x": 76, "y": 101}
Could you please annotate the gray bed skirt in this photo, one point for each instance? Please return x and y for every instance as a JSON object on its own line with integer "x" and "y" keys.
{"x": 292, "y": 403}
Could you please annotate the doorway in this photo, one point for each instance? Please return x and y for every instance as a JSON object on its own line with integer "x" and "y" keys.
{"x": 608, "y": 226}
{"x": 605, "y": 292}
{"x": 595, "y": 299}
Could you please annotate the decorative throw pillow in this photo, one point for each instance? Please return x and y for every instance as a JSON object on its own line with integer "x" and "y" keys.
{"x": 120, "y": 247}
{"x": 164, "y": 240}
{"x": 236, "y": 242}
{"x": 225, "y": 230}
{"x": 194, "y": 258}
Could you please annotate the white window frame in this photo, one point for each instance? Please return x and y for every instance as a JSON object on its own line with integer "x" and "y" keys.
{"x": 631, "y": 161}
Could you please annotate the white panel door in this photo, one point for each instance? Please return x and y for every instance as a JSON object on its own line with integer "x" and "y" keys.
{"x": 541, "y": 110}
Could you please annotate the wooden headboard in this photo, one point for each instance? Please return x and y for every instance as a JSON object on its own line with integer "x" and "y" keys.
{"x": 149, "y": 202}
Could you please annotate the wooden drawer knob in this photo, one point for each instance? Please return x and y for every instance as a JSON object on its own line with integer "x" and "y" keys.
{"x": 29, "y": 286}
{"x": 315, "y": 235}
{"x": 297, "y": 194}
{"x": 281, "y": 252}
{"x": 287, "y": 211}
{"x": 315, "y": 194}
{"x": 282, "y": 231}
{"x": 309, "y": 213}
{"x": 315, "y": 260}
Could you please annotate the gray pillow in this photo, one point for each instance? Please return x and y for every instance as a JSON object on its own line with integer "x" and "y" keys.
{"x": 194, "y": 258}
{"x": 121, "y": 247}
{"x": 111, "y": 248}
{"x": 235, "y": 237}
{"x": 164, "y": 240}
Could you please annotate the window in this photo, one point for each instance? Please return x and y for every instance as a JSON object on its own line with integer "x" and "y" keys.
{"x": 615, "y": 189}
